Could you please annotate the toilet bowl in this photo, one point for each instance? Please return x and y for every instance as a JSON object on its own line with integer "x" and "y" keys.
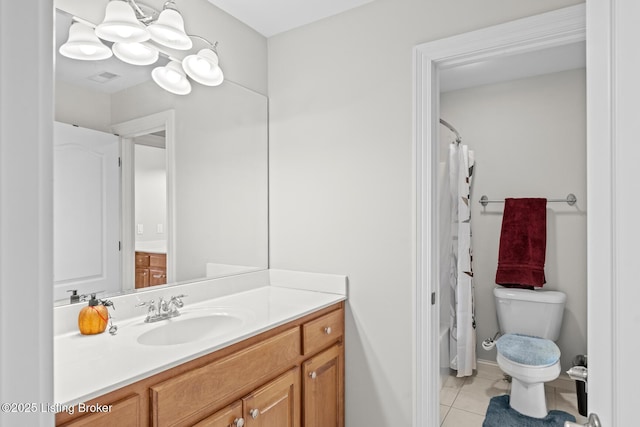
{"x": 530, "y": 321}
{"x": 530, "y": 361}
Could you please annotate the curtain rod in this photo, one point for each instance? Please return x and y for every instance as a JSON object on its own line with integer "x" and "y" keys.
{"x": 452, "y": 129}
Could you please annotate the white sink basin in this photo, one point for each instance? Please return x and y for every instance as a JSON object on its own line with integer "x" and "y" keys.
{"x": 189, "y": 328}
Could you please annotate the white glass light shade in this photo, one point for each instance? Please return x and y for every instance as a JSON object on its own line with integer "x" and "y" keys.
{"x": 168, "y": 30}
{"x": 121, "y": 25}
{"x": 84, "y": 45}
{"x": 135, "y": 53}
{"x": 171, "y": 77}
{"x": 203, "y": 67}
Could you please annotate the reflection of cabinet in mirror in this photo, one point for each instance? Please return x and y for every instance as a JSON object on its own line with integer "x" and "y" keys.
{"x": 151, "y": 269}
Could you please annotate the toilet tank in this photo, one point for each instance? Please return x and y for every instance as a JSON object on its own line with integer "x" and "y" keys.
{"x": 530, "y": 312}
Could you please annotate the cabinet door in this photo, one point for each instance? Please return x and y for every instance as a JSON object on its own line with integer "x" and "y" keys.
{"x": 142, "y": 278}
{"x": 276, "y": 404}
{"x": 231, "y": 416}
{"x": 323, "y": 389}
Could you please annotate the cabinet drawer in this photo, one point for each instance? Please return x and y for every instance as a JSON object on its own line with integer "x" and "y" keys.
{"x": 175, "y": 401}
{"x": 158, "y": 260}
{"x": 322, "y": 331}
{"x": 157, "y": 276}
{"x": 142, "y": 260}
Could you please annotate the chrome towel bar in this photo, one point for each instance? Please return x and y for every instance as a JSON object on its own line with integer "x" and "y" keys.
{"x": 570, "y": 200}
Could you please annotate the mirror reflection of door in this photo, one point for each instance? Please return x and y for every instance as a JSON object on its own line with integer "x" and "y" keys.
{"x": 86, "y": 211}
{"x": 150, "y": 210}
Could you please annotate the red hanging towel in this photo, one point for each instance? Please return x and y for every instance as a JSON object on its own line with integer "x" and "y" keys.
{"x": 523, "y": 243}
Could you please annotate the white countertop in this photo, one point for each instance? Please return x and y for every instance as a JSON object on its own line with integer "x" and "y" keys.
{"x": 86, "y": 367}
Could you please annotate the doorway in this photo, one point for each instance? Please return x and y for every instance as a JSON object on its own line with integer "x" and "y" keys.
{"x": 551, "y": 30}
{"x": 158, "y": 132}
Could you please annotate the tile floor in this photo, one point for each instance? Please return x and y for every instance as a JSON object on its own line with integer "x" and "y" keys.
{"x": 464, "y": 401}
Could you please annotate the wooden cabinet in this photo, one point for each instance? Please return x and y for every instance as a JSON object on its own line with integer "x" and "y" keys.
{"x": 276, "y": 404}
{"x": 320, "y": 332}
{"x": 123, "y": 413}
{"x": 289, "y": 376}
{"x": 231, "y": 416}
{"x": 187, "y": 396}
{"x": 323, "y": 385}
{"x": 151, "y": 269}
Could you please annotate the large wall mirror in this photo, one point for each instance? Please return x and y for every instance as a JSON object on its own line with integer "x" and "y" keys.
{"x": 181, "y": 191}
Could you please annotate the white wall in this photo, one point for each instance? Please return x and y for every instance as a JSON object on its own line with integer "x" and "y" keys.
{"x": 26, "y": 209}
{"x": 150, "y": 180}
{"x": 86, "y": 108}
{"x": 340, "y": 107}
{"x": 221, "y": 198}
{"x": 529, "y": 138}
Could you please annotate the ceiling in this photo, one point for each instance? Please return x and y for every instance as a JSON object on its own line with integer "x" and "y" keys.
{"x": 271, "y": 17}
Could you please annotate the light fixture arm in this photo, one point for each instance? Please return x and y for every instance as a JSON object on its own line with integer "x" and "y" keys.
{"x": 170, "y": 4}
{"x": 145, "y": 17}
{"x": 214, "y": 46}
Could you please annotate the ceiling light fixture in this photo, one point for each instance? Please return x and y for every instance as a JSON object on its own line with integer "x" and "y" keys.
{"x": 203, "y": 67}
{"x": 83, "y": 44}
{"x": 135, "y": 53}
{"x": 172, "y": 78}
{"x": 139, "y": 35}
{"x": 168, "y": 30}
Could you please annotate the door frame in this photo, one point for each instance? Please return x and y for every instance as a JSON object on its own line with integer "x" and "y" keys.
{"x": 164, "y": 120}
{"x": 556, "y": 28}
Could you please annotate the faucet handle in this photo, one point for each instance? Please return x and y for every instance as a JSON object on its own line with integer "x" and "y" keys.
{"x": 177, "y": 300}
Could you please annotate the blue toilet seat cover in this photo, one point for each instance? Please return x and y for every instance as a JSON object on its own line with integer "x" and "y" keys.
{"x": 527, "y": 350}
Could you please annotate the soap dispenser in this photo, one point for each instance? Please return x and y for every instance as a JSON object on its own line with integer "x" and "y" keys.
{"x": 74, "y": 298}
{"x": 93, "y": 318}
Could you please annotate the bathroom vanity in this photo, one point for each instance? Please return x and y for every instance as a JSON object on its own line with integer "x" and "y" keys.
{"x": 151, "y": 269}
{"x": 281, "y": 364}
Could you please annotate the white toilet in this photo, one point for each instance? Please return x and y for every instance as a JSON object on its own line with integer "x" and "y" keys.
{"x": 530, "y": 322}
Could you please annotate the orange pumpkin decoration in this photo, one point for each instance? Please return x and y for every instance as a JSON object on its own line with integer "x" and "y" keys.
{"x": 93, "y": 319}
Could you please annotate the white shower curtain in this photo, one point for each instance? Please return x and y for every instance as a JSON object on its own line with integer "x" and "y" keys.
{"x": 462, "y": 311}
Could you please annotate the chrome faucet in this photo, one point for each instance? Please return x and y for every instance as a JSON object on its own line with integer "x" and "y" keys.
{"x": 174, "y": 304}
{"x": 164, "y": 309}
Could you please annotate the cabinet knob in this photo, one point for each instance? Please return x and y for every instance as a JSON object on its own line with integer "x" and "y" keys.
{"x": 238, "y": 422}
{"x": 327, "y": 330}
{"x": 254, "y": 413}
{"x": 313, "y": 375}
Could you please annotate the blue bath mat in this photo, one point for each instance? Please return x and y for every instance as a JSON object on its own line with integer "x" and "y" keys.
{"x": 500, "y": 414}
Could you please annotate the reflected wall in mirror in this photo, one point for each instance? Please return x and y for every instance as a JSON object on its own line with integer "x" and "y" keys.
{"x": 216, "y": 176}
